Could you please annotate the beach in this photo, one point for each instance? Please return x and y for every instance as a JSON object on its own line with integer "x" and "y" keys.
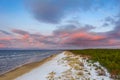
{"x": 63, "y": 66}
{"x": 24, "y": 69}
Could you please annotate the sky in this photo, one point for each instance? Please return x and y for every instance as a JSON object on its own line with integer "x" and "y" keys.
{"x": 59, "y": 24}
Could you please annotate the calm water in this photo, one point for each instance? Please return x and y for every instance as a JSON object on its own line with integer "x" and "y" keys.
{"x": 11, "y": 59}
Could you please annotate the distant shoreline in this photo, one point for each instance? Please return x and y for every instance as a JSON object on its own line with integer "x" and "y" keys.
{"x": 11, "y": 75}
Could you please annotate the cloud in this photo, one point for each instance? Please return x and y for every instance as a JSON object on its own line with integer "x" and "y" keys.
{"x": 64, "y": 29}
{"x": 5, "y": 42}
{"x": 68, "y": 36}
{"x": 115, "y": 33}
{"x": 83, "y": 37}
{"x": 6, "y": 38}
{"x": 77, "y": 36}
{"x": 2, "y": 46}
{"x": 53, "y": 11}
{"x": 5, "y": 32}
{"x": 21, "y": 32}
{"x": 71, "y": 27}
{"x": 80, "y": 36}
{"x": 29, "y": 40}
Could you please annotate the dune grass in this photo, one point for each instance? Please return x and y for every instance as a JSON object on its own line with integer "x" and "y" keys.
{"x": 109, "y": 58}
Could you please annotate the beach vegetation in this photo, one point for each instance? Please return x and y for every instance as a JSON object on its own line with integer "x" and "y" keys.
{"x": 109, "y": 58}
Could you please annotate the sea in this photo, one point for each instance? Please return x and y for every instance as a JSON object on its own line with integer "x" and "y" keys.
{"x": 11, "y": 59}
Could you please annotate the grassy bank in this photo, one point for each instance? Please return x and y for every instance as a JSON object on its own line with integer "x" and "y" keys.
{"x": 109, "y": 58}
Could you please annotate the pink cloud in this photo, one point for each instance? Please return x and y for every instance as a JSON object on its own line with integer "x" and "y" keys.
{"x": 2, "y": 45}
{"x": 79, "y": 35}
{"x": 97, "y": 37}
{"x": 6, "y": 38}
{"x": 25, "y": 36}
{"x": 61, "y": 38}
{"x": 86, "y": 35}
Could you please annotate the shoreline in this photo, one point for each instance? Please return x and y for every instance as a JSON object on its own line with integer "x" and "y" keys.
{"x": 11, "y": 75}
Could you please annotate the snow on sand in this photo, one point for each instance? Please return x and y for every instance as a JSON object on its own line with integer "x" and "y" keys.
{"x": 67, "y": 66}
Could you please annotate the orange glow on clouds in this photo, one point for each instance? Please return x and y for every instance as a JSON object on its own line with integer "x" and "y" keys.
{"x": 26, "y": 36}
{"x": 97, "y": 37}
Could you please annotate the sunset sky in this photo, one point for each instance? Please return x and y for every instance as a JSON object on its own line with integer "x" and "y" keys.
{"x": 59, "y": 24}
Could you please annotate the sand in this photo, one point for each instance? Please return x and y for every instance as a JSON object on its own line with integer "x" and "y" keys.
{"x": 24, "y": 69}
